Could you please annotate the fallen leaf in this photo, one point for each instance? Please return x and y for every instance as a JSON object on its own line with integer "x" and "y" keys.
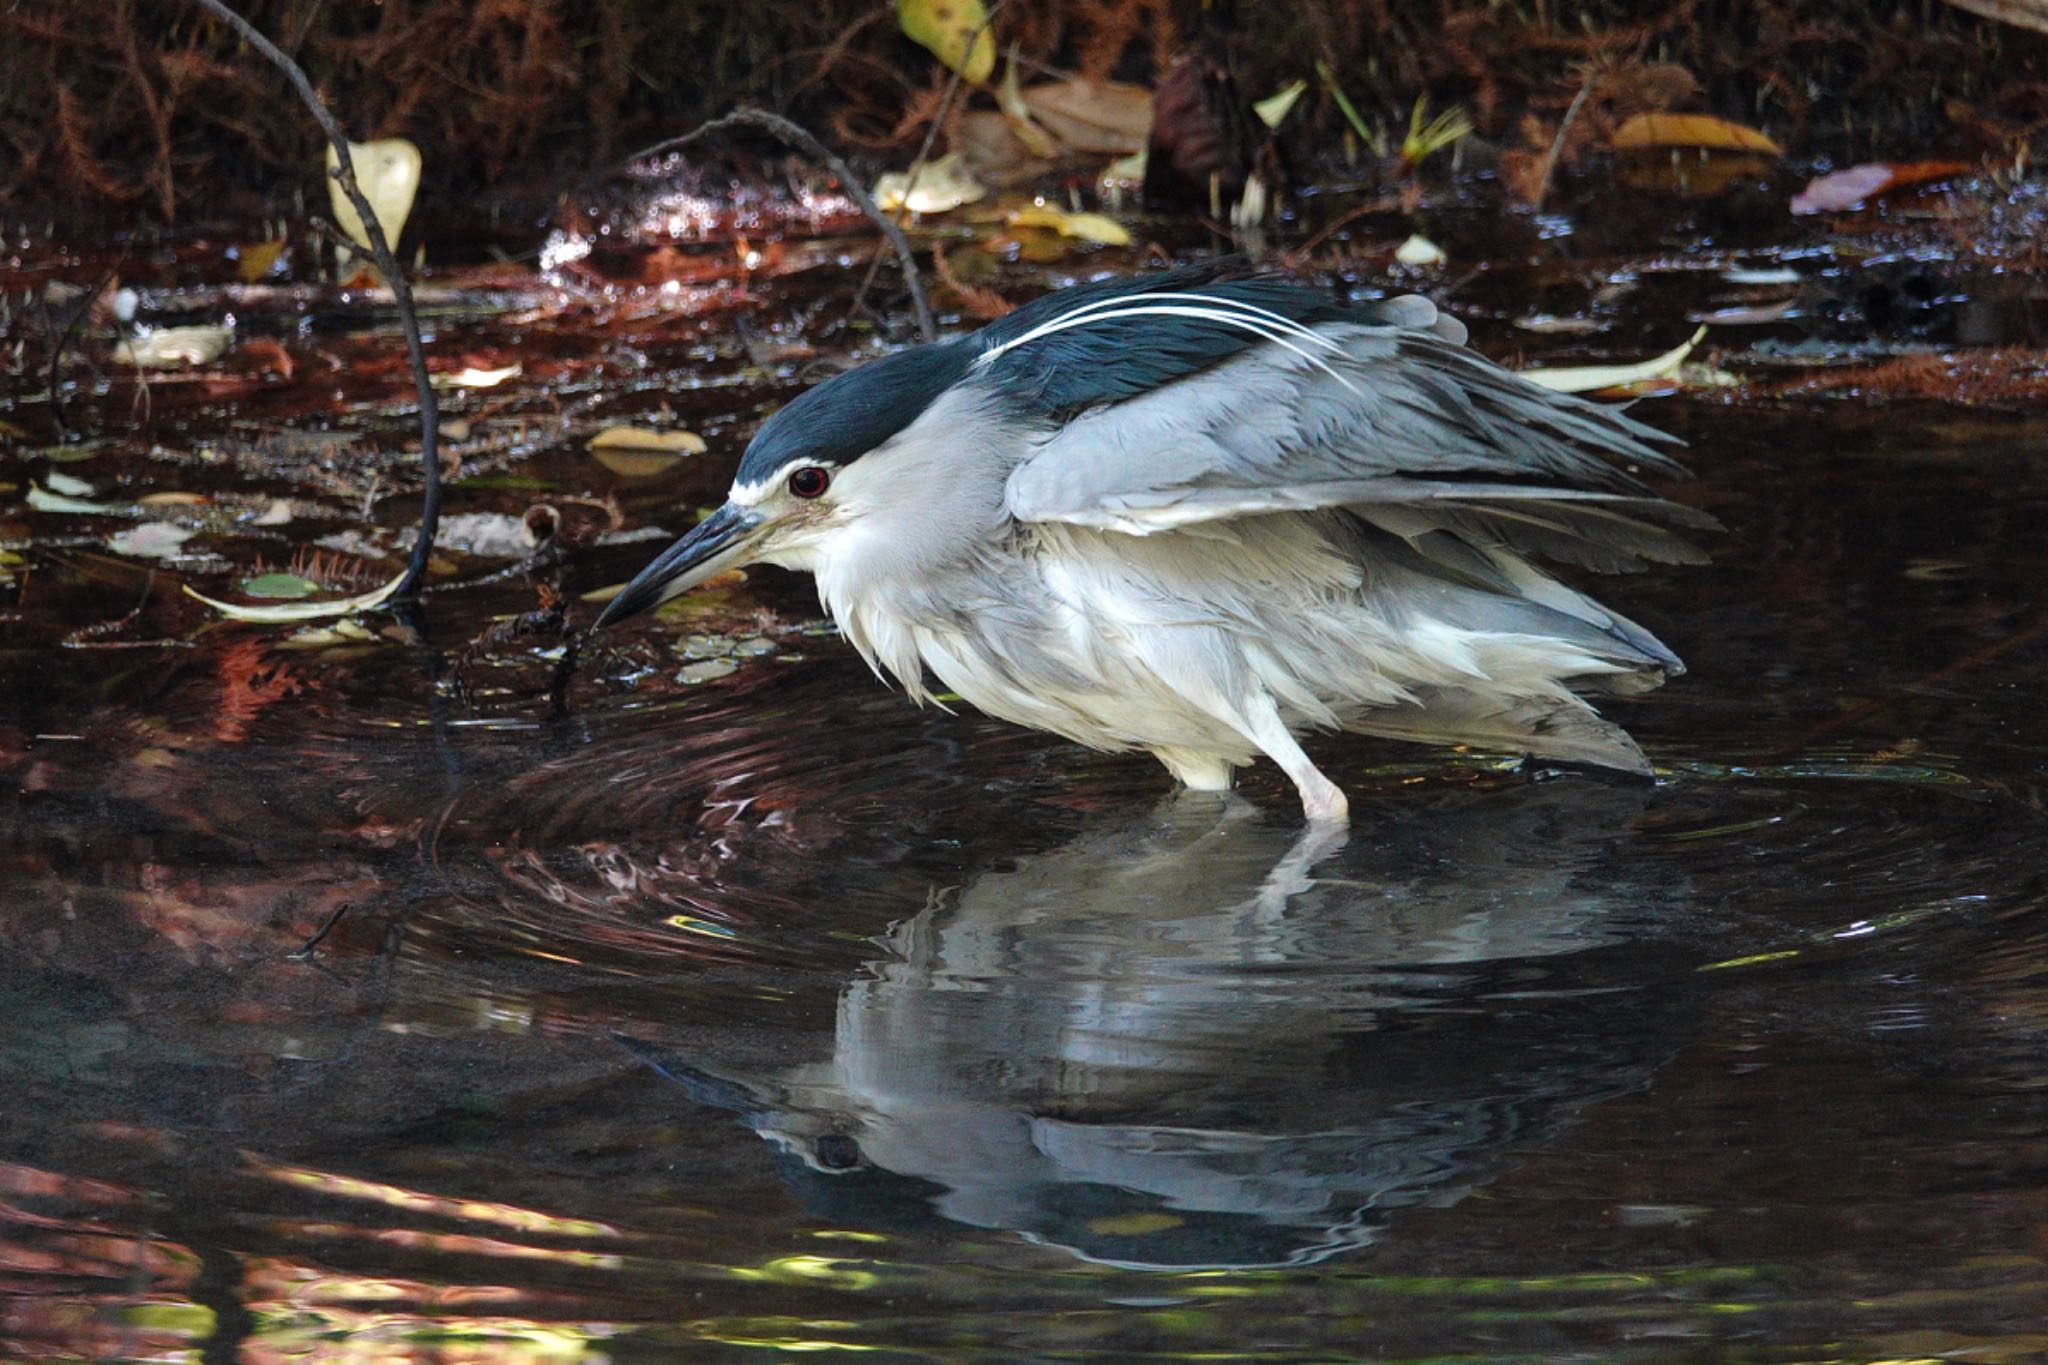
{"x": 641, "y": 438}
{"x": 300, "y": 611}
{"x": 954, "y": 31}
{"x": 1692, "y": 130}
{"x": 1105, "y": 117}
{"x": 1010, "y": 99}
{"x": 1126, "y": 174}
{"x": 1588, "y": 378}
{"x": 1418, "y": 251}
{"x": 57, "y": 481}
{"x": 1087, "y": 227}
{"x": 1848, "y": 189}
{"x": 320, "y": 637}
{"x": 473, "y": 378}
{"x": 279, "y": 586}
{"x": 937, "y": 187}
{"x": 174, "y": 346}
{"x": 151, "y": 540}
{"x": 388, "y": 173}
{"x": 41, "y": 499}
{"x": 1276, "y": 106}
{"x": 253, "y": 262}
{"x": 171, "y": 500}
{"x": 2031, "y": 14}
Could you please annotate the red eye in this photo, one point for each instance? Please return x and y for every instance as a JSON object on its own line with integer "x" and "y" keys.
{"x": 809, "y": 481}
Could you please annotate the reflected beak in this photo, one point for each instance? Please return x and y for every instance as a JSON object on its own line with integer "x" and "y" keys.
{"x": 720, "y": 541}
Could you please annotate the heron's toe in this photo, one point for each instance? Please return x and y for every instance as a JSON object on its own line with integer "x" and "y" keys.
{"x": 1324, "y": 802}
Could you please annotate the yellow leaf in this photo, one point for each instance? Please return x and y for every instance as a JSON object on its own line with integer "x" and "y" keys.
{"x": 1692, "y": 130}
{"x": 1086, "y": 227}
{"x": 388, "y": 174}
{"x": 954, "y": 31}
{"x": 253, "y": 262}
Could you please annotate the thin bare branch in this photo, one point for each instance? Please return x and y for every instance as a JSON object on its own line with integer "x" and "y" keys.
{"x": 380, "y": 251}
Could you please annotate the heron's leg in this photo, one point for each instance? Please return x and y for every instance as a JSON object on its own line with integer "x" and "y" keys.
{"x": 1321, "y": 799}
{"x": 1199, "y": 771}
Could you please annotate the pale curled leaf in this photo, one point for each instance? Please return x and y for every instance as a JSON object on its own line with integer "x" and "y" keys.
{"x": 41, "y": 499}
{"x": 1588, "y": 378}
{"x": 174, "y": 346}
{"x": 299, "y": 611}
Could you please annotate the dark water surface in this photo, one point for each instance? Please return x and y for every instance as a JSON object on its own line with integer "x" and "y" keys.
{"x": 769, "y": 1016}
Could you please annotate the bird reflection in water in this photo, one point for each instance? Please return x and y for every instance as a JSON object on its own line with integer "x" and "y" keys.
{"x": 1206, "y": 1041}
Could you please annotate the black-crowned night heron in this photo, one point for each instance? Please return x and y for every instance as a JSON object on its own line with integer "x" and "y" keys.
{"x": 1201, "y": 512}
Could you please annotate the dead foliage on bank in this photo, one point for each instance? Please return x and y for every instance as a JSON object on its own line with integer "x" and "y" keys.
{"x": 154, "y": 106}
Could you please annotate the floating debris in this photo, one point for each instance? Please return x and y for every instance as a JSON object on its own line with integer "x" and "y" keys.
{"x": 936, "y": 187}
{"x": 172, "y": 347}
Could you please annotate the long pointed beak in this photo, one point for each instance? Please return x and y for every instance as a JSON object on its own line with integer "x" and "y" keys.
{"x": 717, "y": 543}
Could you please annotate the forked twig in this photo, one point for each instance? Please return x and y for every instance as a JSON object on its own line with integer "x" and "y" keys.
{"x": 380, "y": 251}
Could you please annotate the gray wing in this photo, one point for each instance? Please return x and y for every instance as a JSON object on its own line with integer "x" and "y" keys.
{"x": 1384, "y": 413}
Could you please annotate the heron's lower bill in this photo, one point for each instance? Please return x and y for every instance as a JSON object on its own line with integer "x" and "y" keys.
{"x": 715, "y": 545}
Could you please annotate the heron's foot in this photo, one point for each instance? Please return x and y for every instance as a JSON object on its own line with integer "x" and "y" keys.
{"x": 1323, "y": 801}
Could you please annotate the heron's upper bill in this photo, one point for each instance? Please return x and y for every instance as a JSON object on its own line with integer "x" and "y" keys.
{"x": 718, "y": 543}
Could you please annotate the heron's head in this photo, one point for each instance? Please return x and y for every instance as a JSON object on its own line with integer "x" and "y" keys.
{"x": 819, "y": 470}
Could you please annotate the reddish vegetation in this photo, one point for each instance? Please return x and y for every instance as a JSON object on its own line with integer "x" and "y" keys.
{"x": 1990, "y": 376}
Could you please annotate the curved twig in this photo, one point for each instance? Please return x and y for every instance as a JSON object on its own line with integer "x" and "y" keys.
{"x": 407, "y": 587}
{"x": 801, "y": 138}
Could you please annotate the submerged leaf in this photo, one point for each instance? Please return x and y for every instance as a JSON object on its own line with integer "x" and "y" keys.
{"x": 279, "y": 586}
{"x": 1848, "y": 189}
